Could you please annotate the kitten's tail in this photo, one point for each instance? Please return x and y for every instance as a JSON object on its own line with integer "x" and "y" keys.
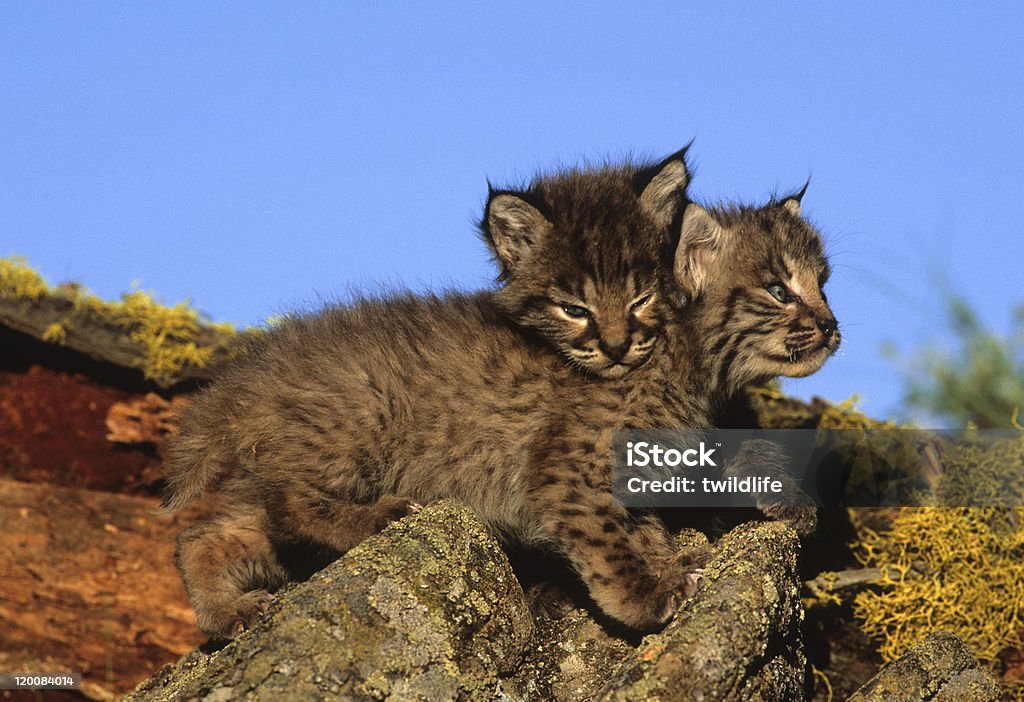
{"x": 190, "y": 470}
{"x": 182, "y": 488}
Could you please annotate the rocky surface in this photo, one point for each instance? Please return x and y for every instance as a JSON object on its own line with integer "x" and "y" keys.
{"x": 738, "y": 638}
{"x": 938, "y": 669}
{"x": 429, "y": 610}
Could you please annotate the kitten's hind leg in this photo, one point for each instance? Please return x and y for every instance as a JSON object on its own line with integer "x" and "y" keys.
{"x": 230, "y": 570}
{"x": 339, "y": 523}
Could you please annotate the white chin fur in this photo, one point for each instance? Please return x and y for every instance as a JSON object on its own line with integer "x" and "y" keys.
{"x": 616, "y": 370}
{"x": 613, "y": 371}
{"x": 603, "y": 367}
{"x": 808, "y": 364}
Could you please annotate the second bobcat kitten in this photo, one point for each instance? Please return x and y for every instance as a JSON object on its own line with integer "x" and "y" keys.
{"x": 754, "y": 309}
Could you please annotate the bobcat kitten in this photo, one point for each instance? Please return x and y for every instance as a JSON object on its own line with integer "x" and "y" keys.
{"x": 753, "y": 282}
{"x": 576, "y": 271}
{"x": 333, "y": 424}
{"x": 755, "y": 277}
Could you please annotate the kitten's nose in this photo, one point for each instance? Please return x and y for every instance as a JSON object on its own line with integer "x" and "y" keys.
{"x": 615, "y": 350}
{"x": 826, "y": 325}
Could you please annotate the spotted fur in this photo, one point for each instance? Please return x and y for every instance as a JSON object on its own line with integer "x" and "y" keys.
{"x": 333, "y": 424}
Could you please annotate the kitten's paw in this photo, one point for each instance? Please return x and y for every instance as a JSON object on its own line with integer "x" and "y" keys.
{"x": 391, "y": 508}
{"x": 668, "y": 603}
{"x": 250, "y": 608}
{"x": 645, "y": 603}
{"x": 687, "y": 568}
{"x": 680, "y": 578}
{"x": 548, "y": 601}
{"x": 803, "y": 518}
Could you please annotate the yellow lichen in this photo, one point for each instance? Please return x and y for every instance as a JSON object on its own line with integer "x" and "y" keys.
{"x": 959, "y": 568}
{"x": 168, "y": 334}
{"x": 17, "y": 279}
{"x": 950, "y": 569}
{"x": 823, "y": 592}
{"x": 846, "y": 415}
{"x": 55, "y": 334}
{"x": 820, "y": 674}
{"x": 775, "y": 410}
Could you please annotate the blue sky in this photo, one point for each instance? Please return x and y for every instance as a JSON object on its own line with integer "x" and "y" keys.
{"x": 256, "y": 157}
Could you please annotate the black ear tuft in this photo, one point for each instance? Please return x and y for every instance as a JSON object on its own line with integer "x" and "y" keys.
{"x": 645, "y": 174}
{"x": 792, "y": 202}
{"x": 803, "y": 191}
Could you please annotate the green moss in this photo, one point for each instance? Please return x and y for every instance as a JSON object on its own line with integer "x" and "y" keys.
{"x": 984, "y": 473}
{"x": 55, "y": 334}
{"x": 774, "y": 410}
{"x": 168, "y": 334}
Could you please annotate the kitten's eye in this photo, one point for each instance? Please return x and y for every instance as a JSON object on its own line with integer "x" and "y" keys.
{"x": 779, "y": 292}
{"x": 576, "y": 311}
{"x": 639, "y": 303}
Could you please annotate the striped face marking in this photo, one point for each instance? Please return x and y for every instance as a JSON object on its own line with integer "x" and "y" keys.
{"x": 611, "y": 328}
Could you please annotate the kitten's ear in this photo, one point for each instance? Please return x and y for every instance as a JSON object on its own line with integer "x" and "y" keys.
{"x": 700, "y": 242}
{"x": 513, "y": 228}
{"x": 662, "y": 188}
{"x": 792, "y": 203}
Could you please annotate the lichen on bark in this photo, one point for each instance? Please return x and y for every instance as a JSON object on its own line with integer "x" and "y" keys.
{"x": 939, "y": 667}
{"x": 428, "y": 609}
{"x": 738, "y": 638}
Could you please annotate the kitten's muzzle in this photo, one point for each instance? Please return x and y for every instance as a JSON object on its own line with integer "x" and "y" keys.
{"x": 616, "y": 368}
{"x": 617, "y": 350}
{"x": 827, "y": 326}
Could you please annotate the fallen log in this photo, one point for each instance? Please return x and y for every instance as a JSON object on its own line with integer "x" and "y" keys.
{"x": 89, "y": 586}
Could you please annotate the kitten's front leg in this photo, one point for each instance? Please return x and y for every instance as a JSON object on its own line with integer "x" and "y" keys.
{"x": 760, "y": 458}
{"x": 629, "y": 564}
